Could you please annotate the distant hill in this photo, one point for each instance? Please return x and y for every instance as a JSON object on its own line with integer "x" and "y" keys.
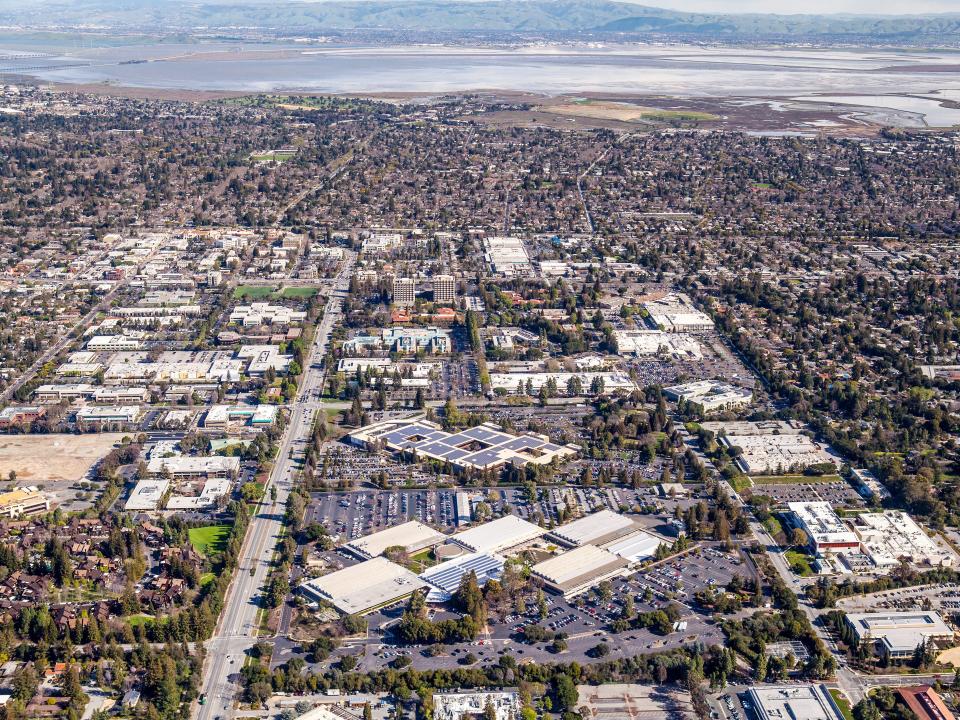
{"x": 461, "y": 16}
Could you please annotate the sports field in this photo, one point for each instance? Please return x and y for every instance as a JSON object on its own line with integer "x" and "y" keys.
{"x": 210, "y": 538}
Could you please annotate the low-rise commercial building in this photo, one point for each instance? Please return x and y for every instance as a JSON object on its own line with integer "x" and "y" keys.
{"x": 20, "y": 415}
{"x": 675, "y": 312}
{"x": 103, "y": 414}
{"x": 771, "y": 448}
{"x": 595, "y": 529}
{"x": 362, "y": 588}
{"x": 411, "y": 537}
{"x": 23, "y": 502}
{"x": 219, "y": 417}
{"x": 445, "y": 578}
{"x": 498, "y": 535}
{"x": 709, "y": 395}
{"x": 889, "y": 536}
{"x": 897, "y": 634}
{"x": 925, "y": 702}
{"x": 261, "y": 313}
{"x": 146, "y": 495}
{"x": 482, "y": 448}
{"x": 457, "y": 705}
{"x": 640, "y": 343}
{"x": 184, "y": 467}
{"x": 574, "y": 572}
{"x": 827, "y": 532}
{"x": 794, "y": 702}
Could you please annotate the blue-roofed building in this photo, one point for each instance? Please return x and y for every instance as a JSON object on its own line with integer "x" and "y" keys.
{"x": 484, "y": 447}
{"x": 445, "y": 578}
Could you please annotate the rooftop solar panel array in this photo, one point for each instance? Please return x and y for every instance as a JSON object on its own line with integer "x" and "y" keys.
{"x": 482, "y": 446}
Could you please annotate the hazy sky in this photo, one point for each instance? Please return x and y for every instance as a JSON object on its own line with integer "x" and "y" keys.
{"x": 892, "y": 7}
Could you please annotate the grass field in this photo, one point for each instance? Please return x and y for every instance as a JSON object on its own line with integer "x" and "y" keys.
{"x": 210, "y": 538}
{"x": 841, "y": 700}
{"x": 252, "y": 292}
{"x": 739, "y": 483}
{"x": 773, "y": 526}
{"x": 135, "y": 620}
{"x": 799, "y": 563}
{"x": 298, "y": 292}
{"x": 260, "y": 292}
{"x": 793, "y": 479}
{"x": 422, "y": 560}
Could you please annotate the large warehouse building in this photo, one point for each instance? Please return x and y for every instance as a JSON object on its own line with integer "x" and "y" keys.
{"x": 594, "y": 529}
{"x": 411, "y": 536}
{"x": 362, "y": 588}
{"x": 578, "y": 570}
{"x": 498, "y": 535}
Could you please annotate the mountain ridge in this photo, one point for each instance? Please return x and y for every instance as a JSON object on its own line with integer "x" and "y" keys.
{"x": 474, "y": 16}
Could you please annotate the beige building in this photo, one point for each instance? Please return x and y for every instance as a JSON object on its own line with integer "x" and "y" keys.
{"x": 444, "y": 289}
{"x": 404, "y": 291}
{"x": 23, "y": 502}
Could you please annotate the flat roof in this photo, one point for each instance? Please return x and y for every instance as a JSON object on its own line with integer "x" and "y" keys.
{"x": 146, "y": 495}
{"x": 194, "y": 465}
{"x": 500, "y": 534}
{"x": 411, "y": 536}
{"x": 822, "y": 523}
{"x": 597, "y": 528}
{"x": 792, "y": 702}
{"x": 635, "y": 547}
{"x": 900, "y": 631}
{"x": 363, "y": 587}
{"x": 573, "y": 570}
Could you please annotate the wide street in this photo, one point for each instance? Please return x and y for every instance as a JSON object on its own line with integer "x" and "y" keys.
{"x": 236, "y": 632}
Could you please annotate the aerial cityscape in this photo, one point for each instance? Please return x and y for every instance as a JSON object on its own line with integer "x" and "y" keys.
{"x": 449, "y": 360}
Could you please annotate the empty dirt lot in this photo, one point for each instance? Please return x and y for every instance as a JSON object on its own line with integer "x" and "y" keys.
{"x": 56, "y": 462}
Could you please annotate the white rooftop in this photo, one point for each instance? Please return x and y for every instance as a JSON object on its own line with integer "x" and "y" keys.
{"x": 411, "y": 536}
{"x": 360, "y": 588}
{"x": 500, "y": 534}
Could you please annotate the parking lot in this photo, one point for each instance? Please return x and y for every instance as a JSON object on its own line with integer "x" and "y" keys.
{"x": 942, "y": 596}
{"x": 838, "y": 493}
{"x": 682, "y": 578}
{"x": 583, "y": 621}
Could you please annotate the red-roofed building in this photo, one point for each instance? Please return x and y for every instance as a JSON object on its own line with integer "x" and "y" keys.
{"x": 925, "y": 702}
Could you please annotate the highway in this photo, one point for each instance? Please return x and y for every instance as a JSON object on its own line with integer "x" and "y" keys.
{"x": 236, "y": 631}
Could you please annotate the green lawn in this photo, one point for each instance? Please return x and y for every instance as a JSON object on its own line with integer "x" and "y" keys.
{"x": 252, "y": 292}
{"x": 799, "y": 563}
{"x": 261, "y": 292}
{"x": 209, "y": 539}
{"x": 841, "y": 700}
{"x": 422, "y": 560}
{"x": 298, "y": 292}
{"x": 773, "y": 526}
{"x": 206, "y": 579}
{"x": 135, "y": 620}
{"x": 793, "y": 479}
